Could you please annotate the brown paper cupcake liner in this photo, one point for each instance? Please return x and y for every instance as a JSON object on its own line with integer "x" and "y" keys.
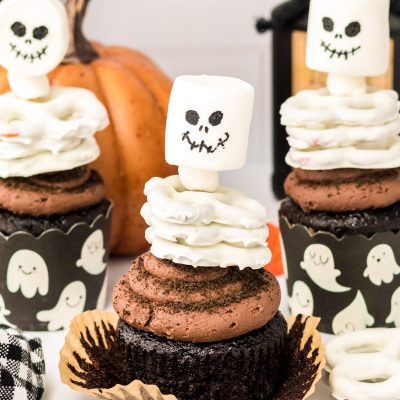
{"x": 305, "y": 355}
{"x": 91, "y": 357}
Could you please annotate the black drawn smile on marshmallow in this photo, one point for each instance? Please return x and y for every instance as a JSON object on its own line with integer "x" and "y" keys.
{"x": 32, "y": 57}
{"x": 339, "y": 53}
{"x": 203, "y": 146}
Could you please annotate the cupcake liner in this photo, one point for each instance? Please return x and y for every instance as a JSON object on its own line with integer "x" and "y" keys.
{"x": 46, "y": 280}
{"x": 187, "y": 369}
{"x": 352, "y": 282}
{"x": 91, "y": 339}
{"x": 306, "y": 355}
{"x": 91, "y": 326}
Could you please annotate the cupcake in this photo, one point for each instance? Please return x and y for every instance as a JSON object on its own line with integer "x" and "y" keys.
{"x": 197, "y": 315}
{"x": 199, "y": 306}
{"x": 340, "y": 223}
{"x": 54, "y": 216}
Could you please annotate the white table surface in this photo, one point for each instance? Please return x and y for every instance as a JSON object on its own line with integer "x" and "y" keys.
{"x": 52, "y": 343}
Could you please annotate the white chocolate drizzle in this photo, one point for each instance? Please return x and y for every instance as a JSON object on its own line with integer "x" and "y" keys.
{"x": 51, "y": 135}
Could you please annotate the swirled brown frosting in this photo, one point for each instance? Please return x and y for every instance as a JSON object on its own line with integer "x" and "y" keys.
{"x": 343, "y": 189}
{"x": 198, "y": 305}
{"x": 55, "y": 193}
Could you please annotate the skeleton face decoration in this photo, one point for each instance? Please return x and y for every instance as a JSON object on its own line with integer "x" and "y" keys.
{"x": 208, "y": 122}
{"x": 33, "y": 36}
{"x": 348, "y": 37}
{"x": 200, "y": 144}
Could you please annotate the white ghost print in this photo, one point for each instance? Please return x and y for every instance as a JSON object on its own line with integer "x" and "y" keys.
{"x": 4, "y": 312}
{"x": 302, "y": 301}
{"x": 394, "y": 316}
{"x": 71, "y": 303}
{"x": 101, "y": 301}
{"x": 92, "y": 254}
{"x": 381, "y": 265}
{"x": 27, "y": 271}
{"x": 320, "y": 267}
{"x": 353, "y": 318}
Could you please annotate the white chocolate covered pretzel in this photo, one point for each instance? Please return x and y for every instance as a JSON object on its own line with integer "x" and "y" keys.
{"x": 365, "y": 365}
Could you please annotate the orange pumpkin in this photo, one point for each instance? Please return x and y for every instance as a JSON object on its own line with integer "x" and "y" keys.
{"x": 135, "y": 92}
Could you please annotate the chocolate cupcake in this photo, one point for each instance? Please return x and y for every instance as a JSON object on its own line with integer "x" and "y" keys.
{"x": 199, "y": 334}
{"x": 340, "y": 224}
{"x": 199, "y": 307}
{"x": 197, "y": 316}
{"x": 54, "y": 216}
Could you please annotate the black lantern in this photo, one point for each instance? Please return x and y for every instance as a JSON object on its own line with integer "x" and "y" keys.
{"x": 290, "y": 74}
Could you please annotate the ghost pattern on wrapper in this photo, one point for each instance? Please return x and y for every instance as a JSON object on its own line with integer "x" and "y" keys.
{"x": 302, "y": 301}
{"x": 381, "y": 265}
{"x": 102, "y": 299}
{"x": 71, "y": 303}
{"x": 319, "y": 264}
{"x": 92, "y": 254}
{"x": 27, "y": 271}
{"x": 394, "y": 316}
{"x": 353, "y": 318}
{"x": 34, "y": 39}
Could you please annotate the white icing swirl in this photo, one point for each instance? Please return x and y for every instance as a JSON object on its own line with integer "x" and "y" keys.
{"x": 329, "y": 132}
{"x": 51, "y": 135}
{"x": 218, "y": 229}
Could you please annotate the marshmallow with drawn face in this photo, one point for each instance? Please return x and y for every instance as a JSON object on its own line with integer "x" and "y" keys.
{"x": 33, "y": 41}
{"x": 348, "y": 37}
{"x": 208, "y": 126}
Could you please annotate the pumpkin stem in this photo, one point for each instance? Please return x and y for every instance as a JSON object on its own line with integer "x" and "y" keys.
{"x": 80, "y": 49}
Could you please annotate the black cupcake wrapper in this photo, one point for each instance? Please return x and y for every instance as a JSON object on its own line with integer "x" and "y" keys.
{"x": 246, "y": 367}
{"x": 359, "y": 289}
{"x": 42, "y": 284}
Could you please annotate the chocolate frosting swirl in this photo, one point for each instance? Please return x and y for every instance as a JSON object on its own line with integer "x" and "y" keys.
{"x": 343, "y": 189}
{"x": 49, "y": 194}
{"x": 195, "y": 305}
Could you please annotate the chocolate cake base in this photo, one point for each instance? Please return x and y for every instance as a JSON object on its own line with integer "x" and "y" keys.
{"x": 11, "y": 223}
{"x": 248, "y": 367}
{"x": 365, "y": 222}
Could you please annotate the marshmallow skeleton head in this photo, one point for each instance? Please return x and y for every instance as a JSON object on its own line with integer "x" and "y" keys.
{"x": 34, "y": 39}
{"x": 208, "y": 123}
{"x": 348, "y": 37}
